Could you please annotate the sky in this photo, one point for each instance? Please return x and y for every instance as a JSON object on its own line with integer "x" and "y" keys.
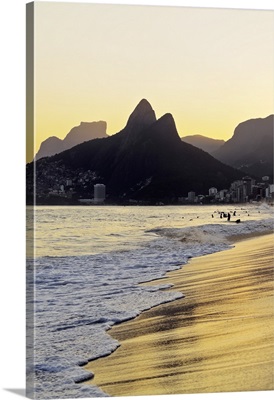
{"x": 211, "y": 68}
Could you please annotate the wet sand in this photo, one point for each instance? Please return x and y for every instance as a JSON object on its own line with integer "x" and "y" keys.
{"x": 218, "y": 338}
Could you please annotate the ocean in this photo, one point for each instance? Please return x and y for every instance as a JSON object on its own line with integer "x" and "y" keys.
{"x": 84, "y": 273}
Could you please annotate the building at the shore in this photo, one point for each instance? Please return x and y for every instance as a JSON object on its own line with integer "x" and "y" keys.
{"x": 191, "y": 197}
{"x": 224, "y": 195}
{"x": 213, "y": 191}
{"x": 269, "y": 192}
{"x": 242, "y": 190}
{"x": 99, "y": 193}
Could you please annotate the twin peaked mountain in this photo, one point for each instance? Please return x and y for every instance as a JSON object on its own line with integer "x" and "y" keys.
{"x": 147, "y": 160}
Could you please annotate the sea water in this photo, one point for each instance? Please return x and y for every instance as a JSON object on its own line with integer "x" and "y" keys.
{"x": 84, "y": 269}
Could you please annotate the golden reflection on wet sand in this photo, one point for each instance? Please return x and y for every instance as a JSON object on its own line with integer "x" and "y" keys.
{"x": 218, "y": 338}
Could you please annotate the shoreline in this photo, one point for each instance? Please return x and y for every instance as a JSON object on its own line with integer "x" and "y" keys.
{"x": 222, "y": 205}
{"x": 119, "y": 331}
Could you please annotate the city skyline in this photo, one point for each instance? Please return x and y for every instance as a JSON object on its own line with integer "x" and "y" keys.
{"x": 210, "y": 68}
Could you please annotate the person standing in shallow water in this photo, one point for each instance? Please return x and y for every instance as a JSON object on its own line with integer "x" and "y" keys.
{"x": 228, "y": 216}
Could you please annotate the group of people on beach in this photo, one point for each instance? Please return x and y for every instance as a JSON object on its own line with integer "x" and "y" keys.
{"x": 227, "y": 215}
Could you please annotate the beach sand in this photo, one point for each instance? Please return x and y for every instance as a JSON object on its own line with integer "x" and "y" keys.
{"x": 218, "y": 338}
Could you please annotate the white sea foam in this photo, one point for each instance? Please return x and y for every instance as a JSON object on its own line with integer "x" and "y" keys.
{"x": 78, "y": 298}
{"x": 215, "y": 233}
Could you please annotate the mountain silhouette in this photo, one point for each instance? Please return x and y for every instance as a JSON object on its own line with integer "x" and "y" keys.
{"x": 205, "y": 143}
{"x": 142, "y": 117}
{"x": 251, "y": 147}
{"x": 79, "y": 134}
{"x": 146, "y": 160}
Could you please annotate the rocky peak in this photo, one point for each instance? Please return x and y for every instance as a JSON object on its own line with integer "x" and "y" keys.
{"x": 141, "y": 118}
{"x": 165, "y": 129}
{"x": 82, "y": 133}
{"x": 86, "y": 131}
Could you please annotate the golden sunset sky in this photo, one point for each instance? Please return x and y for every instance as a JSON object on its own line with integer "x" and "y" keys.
{"x": 211, "y": 68}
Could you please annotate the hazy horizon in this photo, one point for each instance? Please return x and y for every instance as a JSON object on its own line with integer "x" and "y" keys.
{"x": 210, "y": 68}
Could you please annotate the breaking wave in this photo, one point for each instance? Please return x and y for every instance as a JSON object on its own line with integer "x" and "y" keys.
{"x": 215, "y": 233}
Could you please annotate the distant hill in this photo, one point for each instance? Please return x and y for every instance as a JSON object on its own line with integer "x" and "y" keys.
{"x": 202, "y": 142}
{"x": 147, "y": 160}
{"x": 251, "y": 147}
{"x": 79, "y": 134}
